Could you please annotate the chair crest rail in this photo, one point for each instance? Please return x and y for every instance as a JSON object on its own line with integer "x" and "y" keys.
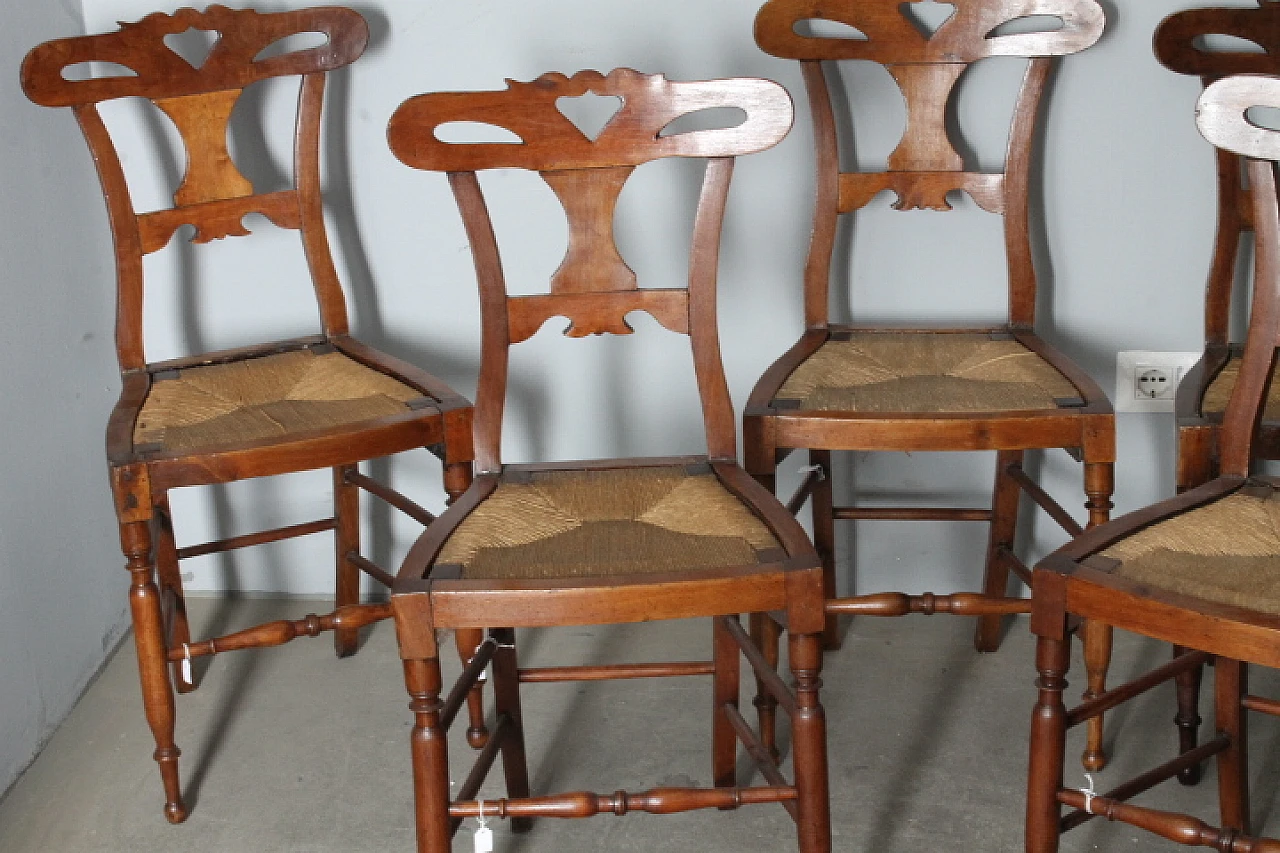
{"x": 889, "y": 35}
{"x": 1180, "y": 42}
{"x": 159, "y": 72}
{"x": 550, "y": 141}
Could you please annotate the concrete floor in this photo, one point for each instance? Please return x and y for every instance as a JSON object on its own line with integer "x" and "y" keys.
{"x": 290, "y": 749}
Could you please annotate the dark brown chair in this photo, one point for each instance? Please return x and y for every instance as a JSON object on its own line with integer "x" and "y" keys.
{"x": 1202, "y": 396}
{"x": 1198, "y": 571}
{"x": 611, "y": 541}
{"x": 326, "y": 401}
{"x": 860, "y": 388}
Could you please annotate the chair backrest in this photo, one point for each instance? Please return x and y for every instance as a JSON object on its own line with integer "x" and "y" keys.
{"x": 926, "y": 165}
{"x": 593, "y": 287}
{"x": 214, "y": 195}
{"x": 1180, "y": 45}
{"x": 1222, "y": 116}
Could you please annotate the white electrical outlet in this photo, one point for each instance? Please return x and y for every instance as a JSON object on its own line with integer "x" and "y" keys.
{"x": 1148, "y": 381}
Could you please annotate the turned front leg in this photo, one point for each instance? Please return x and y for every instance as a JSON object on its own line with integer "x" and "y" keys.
{"x": 148, "y": 630}
{"x": 1048, "y": 746}
{"x": 809, "y": 745}
{"x": 430, "y": 757}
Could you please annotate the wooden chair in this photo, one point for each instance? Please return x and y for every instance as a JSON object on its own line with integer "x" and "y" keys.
{"x": 1000, "y": 388}
{"x": 325, "y": 401}
{"x": 611, "y": 541}
{"x": 1197, "y": 571}
{"x": 1203, "y": 393}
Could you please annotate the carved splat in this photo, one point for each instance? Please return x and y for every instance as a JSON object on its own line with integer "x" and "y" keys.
{"x": 1179, "y": 47}
{"x": 594, "y": 288}
{"x": 894, "y": 37}
{"x": 589, "y": 198}
{"x": 925, "y": 144}
{"x": 202, "y": 120}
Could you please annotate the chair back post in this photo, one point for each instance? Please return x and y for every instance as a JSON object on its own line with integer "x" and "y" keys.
{"x": 1221, "y": 115}
{"x": 199, "y": 99}
{"x": 926, "y": 165}
{"x": 1180, "y": 45}
{"x": 593, "y": 287}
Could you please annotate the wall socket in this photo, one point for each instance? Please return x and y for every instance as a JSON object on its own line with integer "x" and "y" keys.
{"x": 1148, "y": 381}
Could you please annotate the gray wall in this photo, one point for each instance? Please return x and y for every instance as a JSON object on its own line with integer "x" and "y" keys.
{"x": 1127, "y": 191}
{"x": 1126, "y": 188}
{"x": 62, "y": 588}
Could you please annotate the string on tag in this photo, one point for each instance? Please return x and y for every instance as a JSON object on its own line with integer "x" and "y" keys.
{"x": 484, "y": 835}
{"x": 186, "y": 663}
{"x": 814, "y": 469}
{"x": 1089, "y": 794}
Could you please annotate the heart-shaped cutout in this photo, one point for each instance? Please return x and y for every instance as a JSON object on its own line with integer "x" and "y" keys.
{"x": 193, "y": 45}
{"x": 590, "y": 113}
{"x": 927, "y": 16}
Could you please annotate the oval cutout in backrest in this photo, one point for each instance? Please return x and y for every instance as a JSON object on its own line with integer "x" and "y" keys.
{"x": 1223, "y": 43}
{"x": 293, "y": 43}
{"x": 475, "y": 133}
{"x": 709, "y": 118}
{"x": 1028, "y": 24}
{"x": 827, "y": 29}
{"x": 96, "y": 70}
{"x": 590, "y": 113}
{"x": 192, "y": 45}
{"x": 1267, "y": 118}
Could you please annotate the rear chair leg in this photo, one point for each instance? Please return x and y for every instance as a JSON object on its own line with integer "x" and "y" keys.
{"x": 457, "y": 479}
{"x": 1099, "y": 482}
{"x": 468, "y": 640}
{"x": 506, "y": 700}
{"x": 148, "y": 628}
{"x": 346, "y": 537}
{"x": 824, "y": 541}
{"x": 1004, "y": 522}
{"x": 724, "y": 740}
{"x": 170, "y": 577}
{"x": 766, "y": 634}
{"x": 1231, "y": 683}
{"x": 1188, "y": 717}
{"x": 1097, "y": 638}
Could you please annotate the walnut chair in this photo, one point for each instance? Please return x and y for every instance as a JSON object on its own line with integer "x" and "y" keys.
{"x": 862, "y": 388}
{"x": 325, "y": 401}
{"x": 1202, "y": 395}
{"x": 612, "y": 541}
{"x": 1198, "y": 571}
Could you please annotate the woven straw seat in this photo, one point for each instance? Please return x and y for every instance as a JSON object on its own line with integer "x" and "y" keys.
{"x": 270, "y": 397}
{"x": 1219, "y": 391}
{"x": 622, "y": 521}
{"x": 925, "y": 373}
{"x": 1227, "y": 551}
